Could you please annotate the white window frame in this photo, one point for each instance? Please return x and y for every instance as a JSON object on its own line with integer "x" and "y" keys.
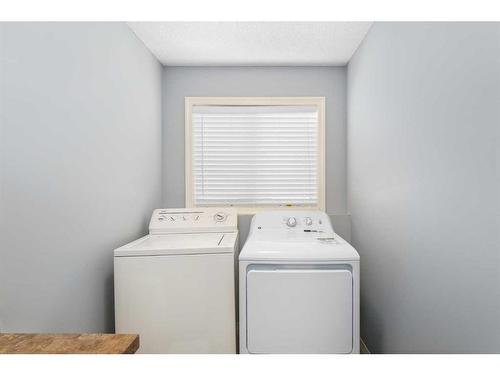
{"x": 319, "y": 102}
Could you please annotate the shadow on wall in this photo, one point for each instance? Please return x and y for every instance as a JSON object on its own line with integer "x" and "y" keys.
{"x": 375, "y": 333}
{"x": 244, "y": 222}
{"x": 110, "y": 307}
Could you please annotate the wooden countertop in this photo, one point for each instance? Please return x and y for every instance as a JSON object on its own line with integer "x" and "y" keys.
{"x": 88, "y": 343}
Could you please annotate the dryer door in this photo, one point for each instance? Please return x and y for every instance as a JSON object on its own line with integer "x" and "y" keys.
{"x": 299, "y": 310}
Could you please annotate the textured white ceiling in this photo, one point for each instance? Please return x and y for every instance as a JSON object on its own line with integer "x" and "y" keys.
{"x": 251, "y": 43}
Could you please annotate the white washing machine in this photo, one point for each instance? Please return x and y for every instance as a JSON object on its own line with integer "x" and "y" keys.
{"x": 176, "y": 286}
{"x": 299, "y": 286}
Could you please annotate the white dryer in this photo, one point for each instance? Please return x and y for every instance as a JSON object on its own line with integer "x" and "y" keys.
{"x": 176, "y": 286}
{"x": 299, "y": 286}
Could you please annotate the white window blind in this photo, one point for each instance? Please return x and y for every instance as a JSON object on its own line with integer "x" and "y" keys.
{"x": 255, "y": 155}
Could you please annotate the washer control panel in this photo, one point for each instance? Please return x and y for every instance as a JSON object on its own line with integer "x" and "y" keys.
{"x": 193, "y": 220}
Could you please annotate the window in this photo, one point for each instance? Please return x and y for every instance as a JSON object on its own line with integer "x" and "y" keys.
{"x": 255, "y": 153}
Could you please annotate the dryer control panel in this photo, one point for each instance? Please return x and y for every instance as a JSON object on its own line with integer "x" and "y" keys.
{"x": 193, "y": 220}
{"x": 295, "y": 221}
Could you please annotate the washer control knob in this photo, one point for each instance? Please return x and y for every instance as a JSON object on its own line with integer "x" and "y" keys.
{"x": 309, "y": 221}
{"x": 220, "y": 217}
{"x": 291, "y": 222}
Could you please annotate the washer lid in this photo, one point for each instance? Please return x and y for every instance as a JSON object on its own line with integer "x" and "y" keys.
{"x": 310, "y": 247}
{"x": 180, "y": 244}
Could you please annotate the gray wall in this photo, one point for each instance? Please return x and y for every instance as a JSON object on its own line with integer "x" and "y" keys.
{"x": 423, "y": 181}
{"x": 179, "y": 82}
{"x": 80, "y": 162}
